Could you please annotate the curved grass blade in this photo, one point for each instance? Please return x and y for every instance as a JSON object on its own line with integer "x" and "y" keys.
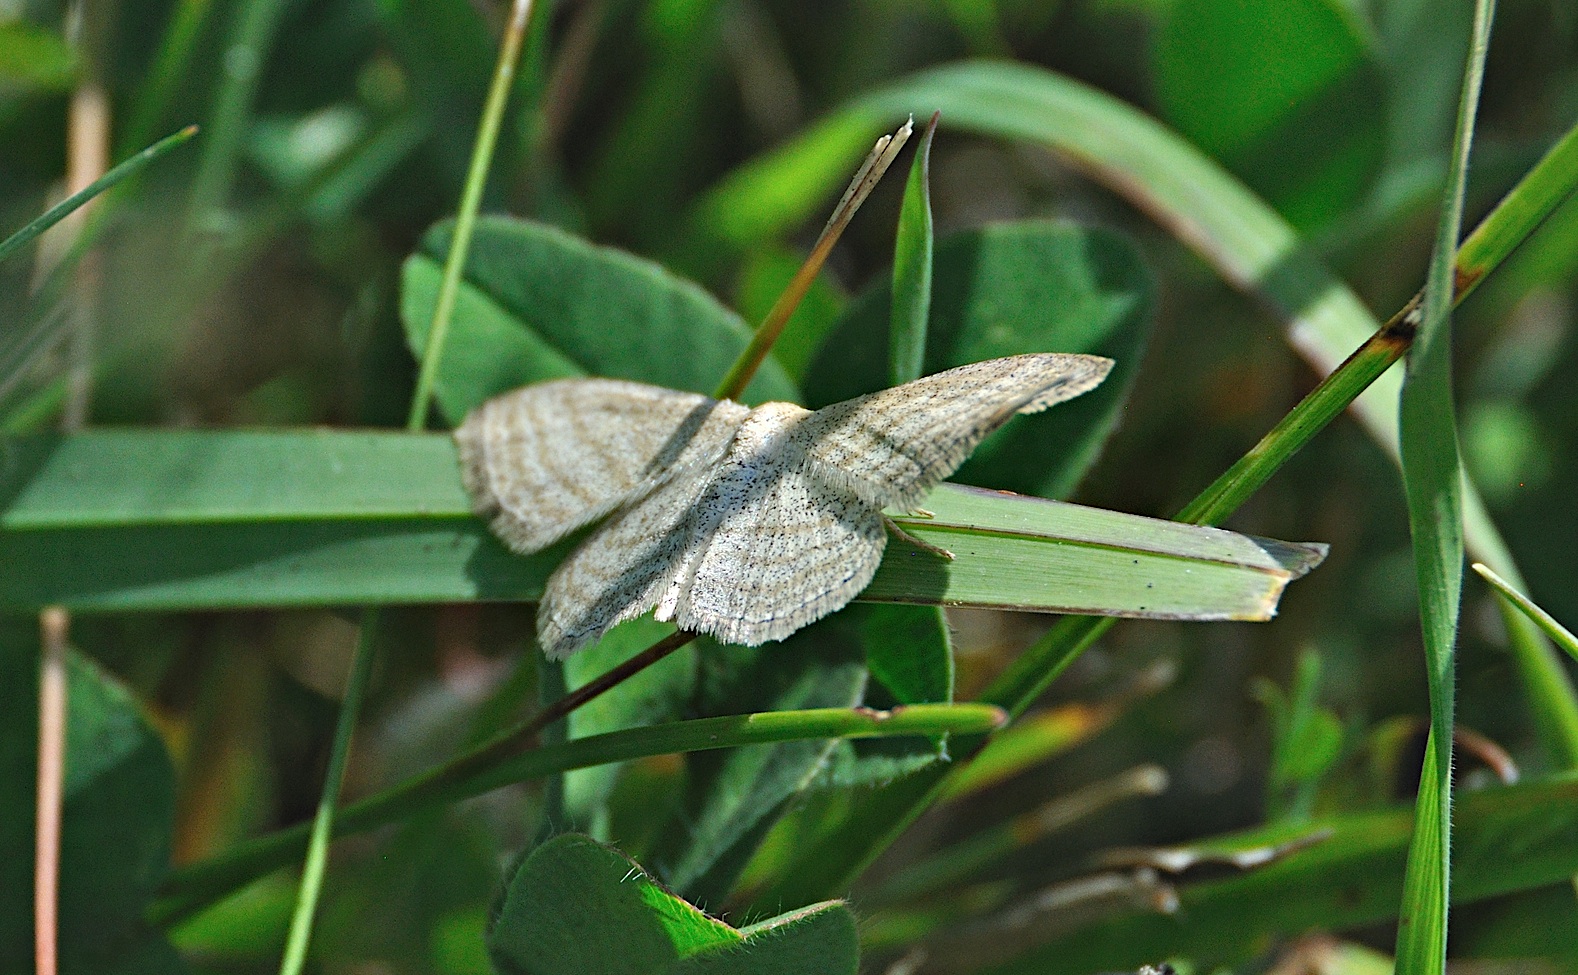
{"x": 61, "y": 210}
{"x": 191, "y": 888}
{"x": 1558, "y": 633}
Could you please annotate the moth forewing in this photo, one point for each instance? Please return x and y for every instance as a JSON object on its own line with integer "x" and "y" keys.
{"x": 547, "y": 459}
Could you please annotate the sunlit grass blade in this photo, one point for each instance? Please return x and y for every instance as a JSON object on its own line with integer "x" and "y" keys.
{"x": 1433, "y": 483}
{"x": 191, "y": 888}
{"x": 59, "y": 211}
{"x": 1558, "y": 633}
{"x": 912, "y": 260}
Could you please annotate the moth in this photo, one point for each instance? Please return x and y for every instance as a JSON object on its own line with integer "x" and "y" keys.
{"x": 746, "y": 524}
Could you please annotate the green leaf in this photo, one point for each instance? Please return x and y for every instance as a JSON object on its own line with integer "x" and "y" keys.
{"x": 733, "y": 798}
{"x": 118, "y": 520}
{"x": 578, "y": 908}
{"x": 1003, "y": 290}
{"x": 912, "y": 267}
{"x": 1287, "y": 94}
{"x": 119, "y": 804}
{"x": 657, "y": 694}
{"x": 820, "y": 938}
{"x": 575, "y": 907}
{"x": 539, "y": 304}
{"x": 907, "y": 649}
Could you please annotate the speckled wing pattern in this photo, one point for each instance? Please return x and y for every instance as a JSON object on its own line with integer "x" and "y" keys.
{"x": 893, "y": 446}
{"x": 546, "y": 459}
{"x": 781, "y": 526}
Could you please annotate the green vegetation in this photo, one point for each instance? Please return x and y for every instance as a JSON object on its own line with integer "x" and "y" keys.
{"x": 224, "y": 386}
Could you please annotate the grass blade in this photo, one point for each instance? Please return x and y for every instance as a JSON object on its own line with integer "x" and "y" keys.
{"x": 343, "y": 518}
{"x": 1562, "y": 636}
{"x": 1433, "y": 483}
{"x": 61, "y": 210}
{"x": 912, "y": 260}
{"x": 192, "y": 888}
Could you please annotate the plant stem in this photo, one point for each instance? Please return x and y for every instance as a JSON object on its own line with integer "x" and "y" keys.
{"x": 466, "y": 217}
{"x": 361, "y": 666}
{"x": 60, "y": 210}
{"x": 866, "y": 177}
{"x": 190, "y": 889}
{"x": 323, "y": 821}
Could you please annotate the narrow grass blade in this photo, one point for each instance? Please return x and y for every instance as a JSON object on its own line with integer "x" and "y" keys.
{"x": 193, "y": 887}
{"x": 1348, "y": 874}
{"x": 59, "y": 211}
{"x": 912, "y": 259}
{"x": 1433, "y": 483}
{"x": 317, "y": 852}
{"x": 466, "y": 216}
{"x": 1558, "y": 633}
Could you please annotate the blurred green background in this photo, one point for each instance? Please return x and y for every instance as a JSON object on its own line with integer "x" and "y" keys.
{"x": 251, "y": 279}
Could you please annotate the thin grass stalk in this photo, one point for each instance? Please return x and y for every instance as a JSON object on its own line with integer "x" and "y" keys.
{"x": 322, "y": 829}
{"x": 230, "y": 116}
{"x": 466, "y": 217}
{"x": 65, "y": 207}
{"x": 191, "y": 889}
{"x": 1558, "y": 633}
{"x": 87, "y": 161}
{"x": 866, "y": 177}
{"x": 54, "y": 625}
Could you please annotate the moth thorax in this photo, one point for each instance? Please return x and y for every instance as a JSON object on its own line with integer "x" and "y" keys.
{"x": 767, "y": 430}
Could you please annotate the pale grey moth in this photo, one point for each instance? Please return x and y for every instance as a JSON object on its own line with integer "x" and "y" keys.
{"x": 746, "y": 524}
